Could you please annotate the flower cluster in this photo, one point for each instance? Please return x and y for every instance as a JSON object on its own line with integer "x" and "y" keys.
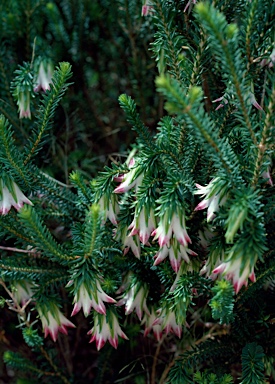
{"x": 173, "y": 239}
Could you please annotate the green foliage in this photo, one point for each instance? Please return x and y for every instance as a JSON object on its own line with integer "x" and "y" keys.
{"x": 203, "y": 378}
{"x": 32, "y": 338}
{"x": 222, "y": 303}
{"x": 252, "y": 364}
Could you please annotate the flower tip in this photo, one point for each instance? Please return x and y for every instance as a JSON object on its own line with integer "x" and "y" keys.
{"x": 76, "y": 309}
{"x": 63, "y": 330}
{"x": 163, "y": 240}
{"x": 122, "y": 334}
{"x": 119, "y": 189}
{"x": 100, "y": 344}
{"x": 157, "y": 335}
{"x": 157, "y": 261}
{"x": 109, "y": 299}
{"x": 178, "y": 331}
{"x": 52, "y": 333}
{"x": 114, "y": 342}
{"x": 237, "y": 286}
{"x": 202, "y": 205}
{"x": 100, "y": 308}
{"x": 252, "y": 277}
{"x": 175, "y": 265}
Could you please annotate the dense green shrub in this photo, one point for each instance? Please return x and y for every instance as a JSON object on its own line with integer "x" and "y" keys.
{"x": 179, "y": 225}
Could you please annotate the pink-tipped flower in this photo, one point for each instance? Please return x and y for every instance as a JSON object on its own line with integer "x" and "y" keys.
{"x": 44, "y": 76}
{"x": 254, "y": 102}
{"x": 176, "y": 252}
{"x": 22, "y": 291}
{"x": 24, "y": 98}
{"x": 110, "y": 207}
{"x": 128, "y": 242}
{"x": 146, "y": 9}
{"x": 91, "y": 295}
{"x": 170, "y": 224}
{"x": 214, "y": 197}
{"x": 135, "y": 299}
{"x": 11, "y": 195}
{"x": 168, "y": 323}
{"x": 53, "y": 321}
{"x": 106, "y": 328}
{"x": 149, "y": 320}
{"x": 143, "y": 225}
{"x": 131, "y": 179}
{"x": 233, "y": 270}
{"x": 215, "y": 258}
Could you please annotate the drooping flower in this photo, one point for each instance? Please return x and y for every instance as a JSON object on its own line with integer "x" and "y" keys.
{"x": 135, "y": 299}
{"x": 91, "y": 295}
{"x": 167, "y": 320}
{"x": 214, "y": 197}
{"x": 24, "y": 98}
{"x": 234, "y": 271}
{"x": 176, "y": 252}
{"x": 11, "y": 195}
{"x": 171, "y": 224}
{"x": 131, "y": 179}
{"x": 44, "y": 76}
{"x": 145, "y": 10}
{"x": 106, "y": 328}
{"x": 128, "y": 242}
{"x": 23, "y": 89}
{"x": 254, "y": 102}
{"x": 110, "y": 207}
{"x": 53, "y": 321}
{"x": 22, "y": 291}
{"x": 216, "y": 256}
{"x": 149, "y": 320}
{"x": 143, "y": 225}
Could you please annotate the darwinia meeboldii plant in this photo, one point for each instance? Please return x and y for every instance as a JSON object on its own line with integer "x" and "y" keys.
{"x": 159, "y": 268}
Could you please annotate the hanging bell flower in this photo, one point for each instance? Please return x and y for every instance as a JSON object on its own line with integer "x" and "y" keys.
{"x": 53, "y": 321}
{"x": 23, "y": 90}
{"x": 44, "y": 76}
{"x": 106, "y": 328}
{"x": 11, "y": 195}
